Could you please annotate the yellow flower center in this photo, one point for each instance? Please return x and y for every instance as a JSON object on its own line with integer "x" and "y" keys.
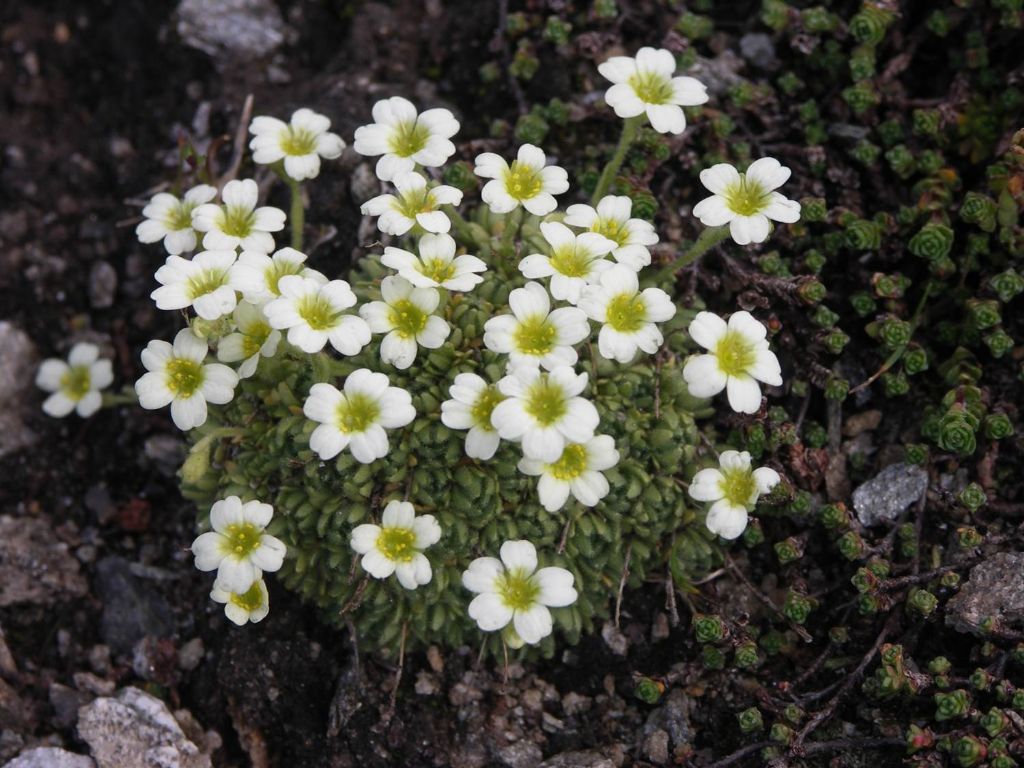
{"x": 207, "y": 281}
{"x": 523, "y": 181}
{"x": 534, "y": 335}
{"x": 76, "y": 382}
{"x": 298, "y": 141}
{"x": 736, "y": 355}
{"x": 278, "y": 269}
{"x": 179, "y": 217}
{"x": 571, "y": 464}
{"x": 738, "y": 486}
{"x": 484, "y": 406}
{"x": 237, "y": 220}
{"x": 250, "y": 600}
{"x": 183, "y": 376}
{"x": 397, "y": 544}
{"x": 517, "y": 589}
{"x": 438, "y": 270}
{"x": 317, "y": 312}
{"x": 242, "y": 539}
{"x": 408, "y": 138}
{"x": 546, "y": 401}
{"x": 652, "y": 87}
{"x": 406, "y": 318}
{"x": 254, "y": 337}
{"x": 626, "y": 312}
{"x": 414, "y": 202}
{"x": 572, "y": 261}
{"x": 357, "y": 412}
{"x": 613, "y": 230}
{"x": 746, "y": 197}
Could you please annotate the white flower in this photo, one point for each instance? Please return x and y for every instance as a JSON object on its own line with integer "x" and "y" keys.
{"x": 526, "y": 182}
{"x": 577, "y": 470}
{"x": 238, "y": 222}
{"x": 628, "y": 314}
{"x": 406, "y": 316}
{"x": 238, "y": 547}
{"x": 358, "y": 416}
{"x": 472, "y": 403}
{"x": 738, "y": 357}
{"x": 512, "y": 590}
{"x": 300, "y": 143}
{"x": 405, "y": 139}
{"x": 436, "y": 266}
{"x": 256, "y": 275}
{"x": 178, "y": 376}
{"x": 75, "y": 384}
{"x": 314, "y": 313}
{"x": 396, "y": 545}
{"x": 253, "y": 339}
{"x": 200, "y": 282}
{"x": 575, "y": 260}
{"x": 169, "y": 219}
{"x": 544, "y": 410}
{"x": 252, "y": 605}
{"x": 745, "y": 201}
{"x": 416, "y": 203}
{"x": 734, "y": 489}
{"x": 646, "y": 84}
{"x": 533, "y": 333}
{"x": 612, "y": 219}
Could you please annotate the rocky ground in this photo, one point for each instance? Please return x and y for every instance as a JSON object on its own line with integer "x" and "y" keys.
{"x": 111, "y": 654}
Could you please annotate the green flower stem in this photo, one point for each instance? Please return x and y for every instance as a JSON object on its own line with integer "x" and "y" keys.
{"x": 298, "y": 213}
{"x": 709, "y": 238}
{"x": 512, "y": 224}
{"x": 898, "y": 352}
{"x": 225, "y": 432}
{"x": 321, "y": 366}
{"x": 127, "y": 397}
{"x": 461, "y": 226}
{"x": 629, "y": 128}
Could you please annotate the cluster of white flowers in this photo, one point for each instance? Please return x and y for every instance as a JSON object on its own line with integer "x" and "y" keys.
{"x": 260, "y": 299}
{"x": 240, "y": 551}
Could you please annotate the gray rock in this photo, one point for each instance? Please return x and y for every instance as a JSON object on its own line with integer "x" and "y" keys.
{"x": 50, "y": 757}
{"x": 17, "y": 374}
{"x": 849, "y": 131}
{"x": 134, "y": 730}
{"x": 994, "y": 589}
{"x": 885, "y": 496}
{"x": 520, "y": 754}
{"x": 613, "y": 637}
{"x": 718, "y": 74}
{"x": 166, "y": 451}
{"x": 759, "y": 50}
{"x": 102, "y": 284}
{"x": 190, "y": 654}
{"x": 11, "y": 743}
{"x": 586, "y": 759}
{"x": 656, "y": 747}
{"x": 672, "y": 717}
{"x": 132, "y": 609}
{"x": 34, "y": 566}
{"x": 15, "y": 714}
{"x": 237, "y": 29}
{"x": 66, "y": 702}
